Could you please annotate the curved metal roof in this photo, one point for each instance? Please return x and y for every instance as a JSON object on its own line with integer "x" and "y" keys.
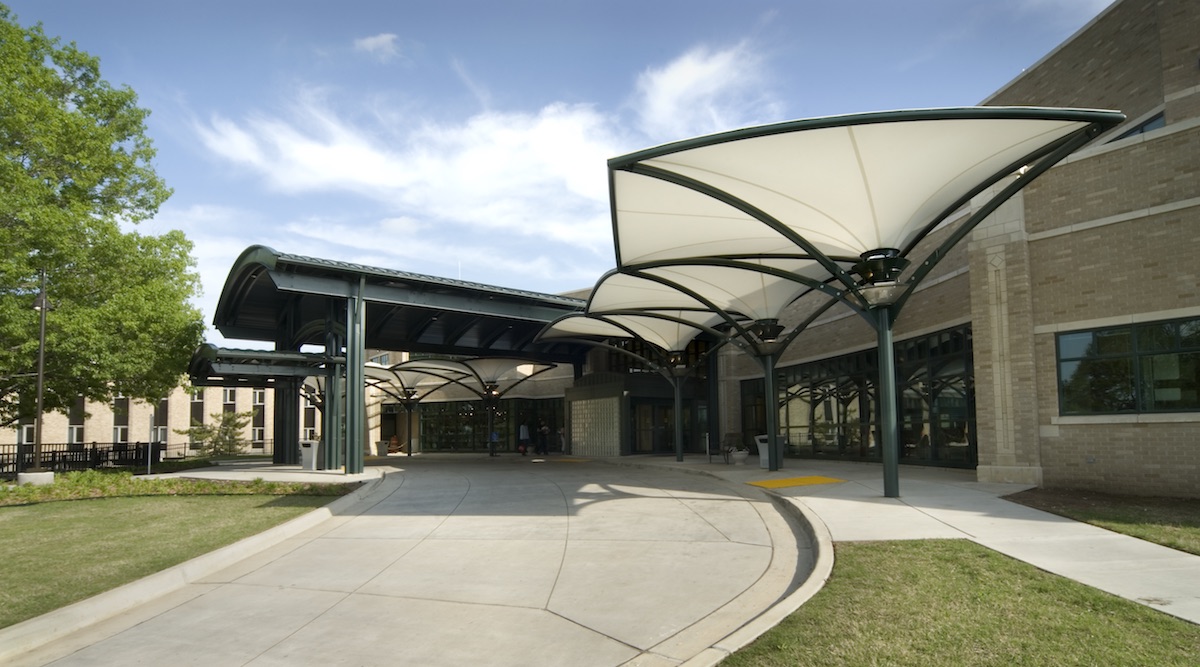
{"x": 270, "y": 295}
{"x": 226, "y": 367}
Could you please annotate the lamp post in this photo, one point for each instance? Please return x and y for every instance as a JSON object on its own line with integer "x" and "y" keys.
{"x": 42, "y": 304}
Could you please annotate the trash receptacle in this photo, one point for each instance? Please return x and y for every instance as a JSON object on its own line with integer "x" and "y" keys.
{"x": 764, "y": 460}
{"x": 308, "y": 454}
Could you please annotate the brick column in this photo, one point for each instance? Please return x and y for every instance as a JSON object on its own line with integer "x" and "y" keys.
{"x": 1002, "y": 327}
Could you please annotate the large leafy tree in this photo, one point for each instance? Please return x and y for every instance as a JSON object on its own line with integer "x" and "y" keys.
{"x": 75, "y": 171}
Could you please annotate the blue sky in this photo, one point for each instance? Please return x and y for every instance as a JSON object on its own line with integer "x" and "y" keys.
{"x": 468, "y": 139}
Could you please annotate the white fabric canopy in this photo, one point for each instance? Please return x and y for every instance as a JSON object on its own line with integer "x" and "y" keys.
{"x": 669, "y": 330}
{"x": 840, "y": 185}
{"x": 486, "y": 372}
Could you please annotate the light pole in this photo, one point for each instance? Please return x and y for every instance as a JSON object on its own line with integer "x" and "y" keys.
{"x": 41, "y": 305}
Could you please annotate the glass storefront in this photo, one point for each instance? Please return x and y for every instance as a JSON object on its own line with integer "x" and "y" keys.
{"x": 827, "y": 408}
{"x": 461, "y": 426}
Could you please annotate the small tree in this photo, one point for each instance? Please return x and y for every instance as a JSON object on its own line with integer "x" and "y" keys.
{"x": 221, "y": 438}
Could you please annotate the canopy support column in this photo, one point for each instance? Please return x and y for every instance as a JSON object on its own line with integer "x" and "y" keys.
{"x": 331, "y": 416}
{"x": 287, "y": 422}
{"x": 356, "y": 381}
{"x": 888, "y": 422}
{"x": 771, "y": 409}
{"x": 677, "y": 380}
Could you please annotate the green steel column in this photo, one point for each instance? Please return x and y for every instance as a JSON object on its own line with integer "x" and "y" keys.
{"x": 677, "y": 383}
{"x": 356, "y": 387}
{"x": 772, "y": 411}
{"x": 889, "y": 432}
{"x": 287, "y": 422}
{"x": 331, "y": 419}
{"x": 332, "y": 415}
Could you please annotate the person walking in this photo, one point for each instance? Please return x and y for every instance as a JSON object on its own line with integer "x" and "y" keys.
{"x": 542, "y": 447}
{"x": 523, "y": 438}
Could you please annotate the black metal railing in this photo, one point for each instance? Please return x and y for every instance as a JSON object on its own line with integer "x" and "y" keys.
{"x": 65, "y": 457}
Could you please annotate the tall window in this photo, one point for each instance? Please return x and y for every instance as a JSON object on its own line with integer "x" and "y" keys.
{"x": 258, "y": 431}
{"x": 1153, "y": 367}
{"x": 828, "y": 408}
{"x": 75, "y": 419}
{"x": 160, "y": 421}
{"x": 198, "y": 405}
{"x": 310, "y": 419}
{"x": 120, "y": 410}
{"x": 229, "y": 399}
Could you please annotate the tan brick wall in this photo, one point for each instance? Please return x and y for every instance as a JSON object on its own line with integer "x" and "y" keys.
{"x": 1181, "y": 58}
{"x": 1154, "y": 459}
{"x": 1148, "y": 173}
{"x": 1108, "y": 236}
{"x": 1115, "y": 64}
{"x": 1143, "y": 265}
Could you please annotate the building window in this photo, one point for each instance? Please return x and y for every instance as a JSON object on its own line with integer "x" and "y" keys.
{"x": 828, "y": 408}
{"x": 260, "y": 397}
{"x": 120, "y": 410}
{"x": 310, "y": 418}
{"x": 1155, "y": 122}
{"x": 159, "y": 433}
{"x": 197, "y": 407}
{"x": 75, "y": 418}
{"x": 381, "y": 359}
{"x": 26, "y": 434}
{"x": 229, "y": 398}
{"x": 258, "y": 437}
{"x": 1153, "y": 367}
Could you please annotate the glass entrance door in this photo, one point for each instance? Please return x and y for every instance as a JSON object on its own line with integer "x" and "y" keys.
{"x": 653, "y": 428}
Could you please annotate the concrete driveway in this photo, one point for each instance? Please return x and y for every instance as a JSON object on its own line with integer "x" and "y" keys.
{"x": 470, "y": 560}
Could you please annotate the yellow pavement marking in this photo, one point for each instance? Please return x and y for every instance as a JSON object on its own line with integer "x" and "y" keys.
{"x": 795, "y": 481}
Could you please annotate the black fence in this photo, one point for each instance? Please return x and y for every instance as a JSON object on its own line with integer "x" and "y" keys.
{"x": 63, "y": 457}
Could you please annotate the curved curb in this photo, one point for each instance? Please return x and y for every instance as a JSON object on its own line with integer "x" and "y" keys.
{"x": 40, "y": 630}
{"x": 822, "y": 543}
{"x": 819, "y": 538}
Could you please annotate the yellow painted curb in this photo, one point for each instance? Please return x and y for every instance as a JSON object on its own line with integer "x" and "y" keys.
{"x": 795, "y": 481}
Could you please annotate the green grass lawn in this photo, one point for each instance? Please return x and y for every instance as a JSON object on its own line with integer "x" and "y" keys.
{"x": 91, "y": 532}
{"x": 932, "y": 603}
{"x": 953, "y": 602}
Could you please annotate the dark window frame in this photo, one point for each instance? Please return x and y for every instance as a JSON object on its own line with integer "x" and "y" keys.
{"x": 1146, "y": 345}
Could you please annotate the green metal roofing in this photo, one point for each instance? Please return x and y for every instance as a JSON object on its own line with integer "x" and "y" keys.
{"x": 285, "y": 299}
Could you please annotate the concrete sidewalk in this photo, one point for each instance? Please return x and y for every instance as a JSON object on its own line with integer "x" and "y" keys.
{"x": 465, "y": 560}
{"x": 458, "y": 559}
{"x": 947, "y": 503}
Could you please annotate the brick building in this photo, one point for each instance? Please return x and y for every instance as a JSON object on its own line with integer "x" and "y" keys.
{"x": 1061, "y": 344}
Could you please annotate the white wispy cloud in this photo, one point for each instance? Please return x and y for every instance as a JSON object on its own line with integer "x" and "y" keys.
{"x": 703, "y": 91}
{"x": 513, "y": 197}
{"x": 383, "y": 47}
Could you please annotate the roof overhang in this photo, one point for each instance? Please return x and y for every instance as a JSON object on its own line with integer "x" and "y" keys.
{"x": 285, "y": 299}
{"x": 225, "y": 367}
